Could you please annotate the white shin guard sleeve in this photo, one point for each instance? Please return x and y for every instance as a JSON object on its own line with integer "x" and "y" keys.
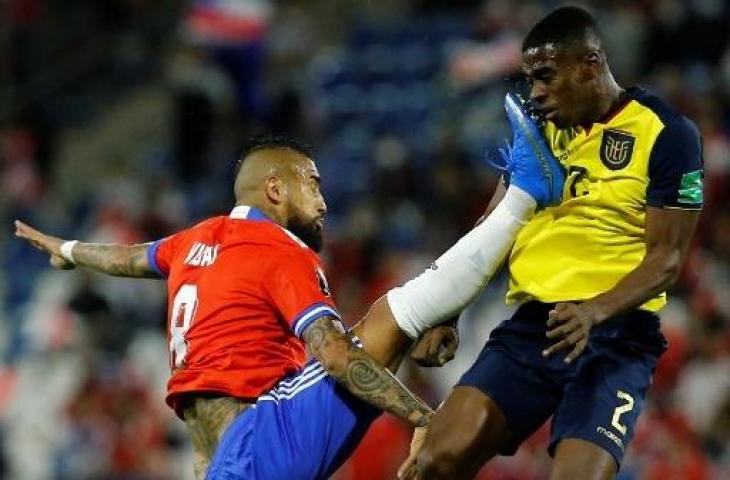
{"x": 457, "y": 276}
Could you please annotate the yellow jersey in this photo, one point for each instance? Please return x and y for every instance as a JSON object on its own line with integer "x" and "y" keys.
{"x": 645, "y": 154}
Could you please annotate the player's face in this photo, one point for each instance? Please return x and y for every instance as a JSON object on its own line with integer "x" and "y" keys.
{"x": 560, "y": 85}
{"x": 307, "y": 208}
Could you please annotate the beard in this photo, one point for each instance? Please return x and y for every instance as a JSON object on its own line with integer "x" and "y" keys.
{"x": 308, "y": 232}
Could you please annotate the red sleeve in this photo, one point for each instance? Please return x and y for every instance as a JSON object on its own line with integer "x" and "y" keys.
{"x": 161, "y": 253}
{"x": 298, "y": 289}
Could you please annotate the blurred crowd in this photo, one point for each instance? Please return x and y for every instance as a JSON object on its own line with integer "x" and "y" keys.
{"x": 120, "y": 121}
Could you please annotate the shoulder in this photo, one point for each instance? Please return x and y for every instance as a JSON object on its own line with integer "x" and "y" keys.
{"x": 674, "y": 122}
{"x": 283, "y": 248}
{"x": 675, "y": 163}
{"x": 208, "y": 223}
{"x": 290, "y": 253}
{"x": 280, "y": 237}
{"x": 193, "y": 232}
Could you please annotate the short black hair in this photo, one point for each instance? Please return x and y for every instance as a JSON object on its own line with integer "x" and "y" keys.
{"x": 562, "y": 26}
{"x": 272, "y": 141}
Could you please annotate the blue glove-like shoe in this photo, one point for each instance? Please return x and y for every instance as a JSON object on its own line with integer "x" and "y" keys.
{"x": 529, "y": 163}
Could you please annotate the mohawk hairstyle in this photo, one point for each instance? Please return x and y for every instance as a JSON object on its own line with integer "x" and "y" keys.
{"x": 261, "y": 142}
{"x": 562, "y": 26}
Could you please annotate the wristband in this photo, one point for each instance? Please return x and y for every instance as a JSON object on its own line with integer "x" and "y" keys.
{"x": 67, "y": 250}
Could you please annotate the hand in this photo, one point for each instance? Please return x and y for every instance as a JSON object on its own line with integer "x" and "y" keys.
{"x": 571, "y": 323}
{"x": 408, "y": 469}
{"x": 46, "y": 243}
{"x": 436, "y": 346}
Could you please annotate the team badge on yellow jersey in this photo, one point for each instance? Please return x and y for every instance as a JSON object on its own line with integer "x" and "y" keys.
{"x": 616, "y": 149}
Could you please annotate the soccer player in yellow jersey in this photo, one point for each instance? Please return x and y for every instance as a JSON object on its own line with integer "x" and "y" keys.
{"x": 589, "y": 275}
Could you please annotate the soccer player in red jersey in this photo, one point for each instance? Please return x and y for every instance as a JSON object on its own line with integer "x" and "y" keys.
{"x": 247, "y": 292}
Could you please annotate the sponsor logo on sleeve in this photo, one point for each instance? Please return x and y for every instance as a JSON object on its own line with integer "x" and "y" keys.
{"x": 690, "y": 189}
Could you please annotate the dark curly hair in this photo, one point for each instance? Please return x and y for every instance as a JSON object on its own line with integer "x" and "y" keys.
{"x": 261, "y": 142}
{"x": 563, "y": 26}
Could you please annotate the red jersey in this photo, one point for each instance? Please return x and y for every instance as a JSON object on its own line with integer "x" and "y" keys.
{"x": 241, "y": 290}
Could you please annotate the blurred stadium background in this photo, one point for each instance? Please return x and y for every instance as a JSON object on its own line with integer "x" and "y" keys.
{"x": 120, "y": 120}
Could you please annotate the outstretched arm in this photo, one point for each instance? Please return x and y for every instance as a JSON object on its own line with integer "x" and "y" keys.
{"x": 357, "y": 371}
{"x": 112, "y": 259}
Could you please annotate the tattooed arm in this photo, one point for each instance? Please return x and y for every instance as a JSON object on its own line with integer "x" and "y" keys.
{"x": 361, "y": 374}
{"x": 113, "y": 259}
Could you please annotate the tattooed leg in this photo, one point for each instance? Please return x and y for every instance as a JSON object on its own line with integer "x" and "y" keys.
{"x": 381, "y": 337}
{"x": 361, "y": 373}
{"x": 206, "y": 420}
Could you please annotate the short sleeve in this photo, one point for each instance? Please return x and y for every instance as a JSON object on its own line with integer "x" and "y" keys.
{"x": 161, "y": 253}
{"x": 298, "y": 289}
{"x": 676, "y": 169}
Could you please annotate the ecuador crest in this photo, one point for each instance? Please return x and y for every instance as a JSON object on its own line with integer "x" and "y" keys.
{"x": 616, "y": 149}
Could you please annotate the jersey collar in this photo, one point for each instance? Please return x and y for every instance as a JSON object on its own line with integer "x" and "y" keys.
{"x": 626, "y": 97}
{"x": 244, "y": 212}
{"x": 623, "y": 100}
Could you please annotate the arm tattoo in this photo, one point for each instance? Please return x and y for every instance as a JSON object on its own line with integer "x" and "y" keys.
{"x": 115, "y": 259}
{"x": 361, "y": 374}
{"x": 316, "y": 337}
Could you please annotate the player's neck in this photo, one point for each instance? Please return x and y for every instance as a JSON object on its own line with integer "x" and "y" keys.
{"x": 610, "y": 99}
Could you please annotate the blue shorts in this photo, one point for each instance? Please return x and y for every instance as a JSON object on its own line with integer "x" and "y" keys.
{"x": 304, "y": 428}
{"x": 597, "y": 398}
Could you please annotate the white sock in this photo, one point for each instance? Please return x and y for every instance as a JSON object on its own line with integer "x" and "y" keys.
{"x": 457, "y": 276}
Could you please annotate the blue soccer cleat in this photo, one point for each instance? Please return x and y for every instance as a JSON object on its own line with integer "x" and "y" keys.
{"x": 530, "y": 164}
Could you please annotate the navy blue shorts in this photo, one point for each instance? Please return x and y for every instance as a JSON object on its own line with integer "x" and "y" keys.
{"x": 304, "y": 428}
{"x": 597, "y": 398}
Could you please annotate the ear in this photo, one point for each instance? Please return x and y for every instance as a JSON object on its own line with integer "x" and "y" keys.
{"x": 591, "y": 65}
{"x": 275, "y": 190}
